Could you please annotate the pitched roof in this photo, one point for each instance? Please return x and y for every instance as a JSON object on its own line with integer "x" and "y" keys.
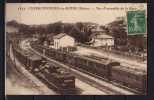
{"x": 98, "y": 29}
{"x": 104, "y": 36}
{"x": 59, "y": 36}
{"x": 35, "y": 57}
{"x": 101, "y": 36}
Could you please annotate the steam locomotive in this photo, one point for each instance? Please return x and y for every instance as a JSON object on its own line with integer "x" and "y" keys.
{"x": 105, "y": 68}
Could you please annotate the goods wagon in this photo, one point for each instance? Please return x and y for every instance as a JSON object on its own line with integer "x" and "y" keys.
{"x": 51, "y": 74}
{"x": 103, "y": 67}
{"x": 129, "y": 77}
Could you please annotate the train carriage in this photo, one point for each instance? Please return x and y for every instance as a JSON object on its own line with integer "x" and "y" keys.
{"x": 103, "y": 67}
{"x": 94, "y": 66}
{"x": 69, "y": 59}
{"x": 21, "y": 55}
{"x": 59, "y": 56}
{"x": 49, "y": 73}
{"x": 58, "y": 78}
{"x": 129, "y": 77}
{"x": 102, "y": 70}
{"x": 47, "y": 53}
{"x": 40, "y": 49}
{"x": 33, "y": 62}
{"x": 52, "y": 53}
{"x": 80, "y": 63}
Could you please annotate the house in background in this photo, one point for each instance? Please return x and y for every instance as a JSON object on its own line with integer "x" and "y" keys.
{"x": 100, "y": 39}
{"x": 97, "y": 29}
{"x": 63, "y": 40}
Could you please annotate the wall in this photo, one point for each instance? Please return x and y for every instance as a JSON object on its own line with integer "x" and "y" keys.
{"x": 64, "y": 42}
{"x": 103, "y": 42}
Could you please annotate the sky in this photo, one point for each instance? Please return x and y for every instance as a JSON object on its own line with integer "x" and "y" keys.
{"x": 95, "y": 12}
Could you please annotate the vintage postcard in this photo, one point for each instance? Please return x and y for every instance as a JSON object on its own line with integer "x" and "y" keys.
{"x": 76, "y": 49}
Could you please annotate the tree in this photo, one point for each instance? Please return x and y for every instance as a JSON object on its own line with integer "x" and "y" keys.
{"x": 118, "y": 30}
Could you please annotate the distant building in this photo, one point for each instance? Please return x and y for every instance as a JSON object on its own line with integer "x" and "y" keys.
{"x": 102, "y": 40}
{"x": 63, "y": 40}
{"x": 97, "y": 30}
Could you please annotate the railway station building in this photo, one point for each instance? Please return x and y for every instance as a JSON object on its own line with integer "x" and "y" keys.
{"x": 63, "y": 40}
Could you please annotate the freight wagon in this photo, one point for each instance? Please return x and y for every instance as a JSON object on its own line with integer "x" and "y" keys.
{"x": 129, "y": 77}
{"x": 102, "y": 67}
{"x": 52, "y": 75}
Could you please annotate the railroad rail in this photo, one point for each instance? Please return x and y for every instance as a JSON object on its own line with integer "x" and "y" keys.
{"x": 103, "y": 93}
{"x": 139, "y": 83}
{"x": 88, "y": 77}
{"x": 82, "y": 76}
{"x": 22, "y": 74}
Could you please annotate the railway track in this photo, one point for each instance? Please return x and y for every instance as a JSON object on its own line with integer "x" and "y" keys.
{"x": 85, "y": 77}
{"x": 15, "y": 74}
{"x": 82, "y": 76}
{"x": 21, "y": 76}
{"x": 94, "y": 83}
{"x": 111, "y": 82}
{"x": 135, "y": 65}
{"x": 12, "y": 67}
{"x": 80, "y": 90}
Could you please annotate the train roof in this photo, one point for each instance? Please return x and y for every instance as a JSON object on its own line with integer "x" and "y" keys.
{"x": 27, "y": 53}
{"x": 35, "y": 57}
{"x": 20, "y": 51}
{"x": 97, "y": 59}
{"x": 23, "y": 52}
{"x": 101, "y": 60}
{"x": 68, "y": 75}
{"x": 129, "y": 70}
{"x": 49, "y": 64}
{"x": 62, "y": 71}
